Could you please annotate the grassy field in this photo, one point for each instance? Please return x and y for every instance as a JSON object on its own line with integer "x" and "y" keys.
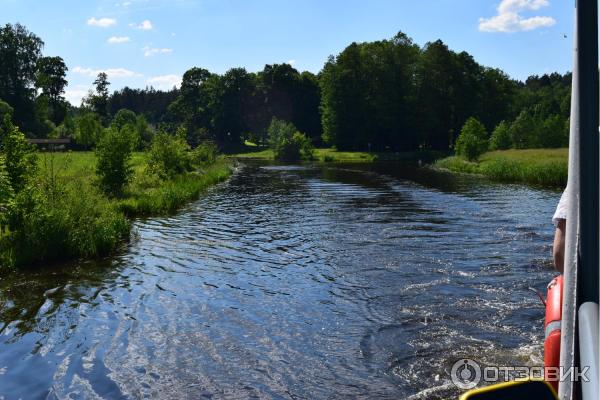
{"x": 145, "y": 195}
{"x": 545, "y": 167}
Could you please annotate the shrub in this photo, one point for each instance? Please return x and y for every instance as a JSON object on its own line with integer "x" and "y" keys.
{"x": 145, "y": 133}
{"x": 287, "y": 143}
{"x": 5, "y": 109}
{"x": 472, "y": 141}
{"x": 500, "y": 139}
{"x": 123, "y": 117}
{"x": 457, "y": 164}
{"x": 307, "y": 150}
{"x": 113, "y": 166}
{"x": 169, "y": 155}
{"x": 78, "y": 223}
{"x": 206, "y": 153}
{"x": 132, "y": 135}
{"x": 19, "y": 156}
{"x": 135, "y": 126}
{"x": 68, "y": 128}
{"x": 6, "y": 190}
{"x": 89, "y": 130}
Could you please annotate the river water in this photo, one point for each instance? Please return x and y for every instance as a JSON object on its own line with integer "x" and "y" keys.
{"x": 292, "y": 282}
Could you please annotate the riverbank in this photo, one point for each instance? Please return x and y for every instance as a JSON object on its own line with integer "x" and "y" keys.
{"x": 328, "y": 155}
{"x": 544, "y": 167}
{"x": 64, "y": 216}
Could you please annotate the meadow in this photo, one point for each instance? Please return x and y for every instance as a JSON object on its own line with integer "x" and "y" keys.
{"x": 146, "y": 194}
{"x": 543, "y": 167}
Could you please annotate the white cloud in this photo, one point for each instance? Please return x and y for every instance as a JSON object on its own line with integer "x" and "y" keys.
{"x": 507, "y": 6}
{"x": 77, "y": 93}
{"x": 102, "y": 22}
{"x": 164, "y": 82}
{"x": 111, "y": 72}
{"x": 149, "y": 52}
{"x": 118, "y": 39}
{"x": 146, "y": 25}
{"x": 509, "y": 18}
{"x": 292, "y": 62}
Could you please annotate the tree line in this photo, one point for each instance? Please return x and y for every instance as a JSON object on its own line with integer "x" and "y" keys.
{"x": 387, "y": 95}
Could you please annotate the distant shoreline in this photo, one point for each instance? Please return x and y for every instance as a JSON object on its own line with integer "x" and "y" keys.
{"x": 327, "y": 155}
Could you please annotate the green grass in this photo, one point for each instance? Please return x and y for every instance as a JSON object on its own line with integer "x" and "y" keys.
{"x": 146, "y": 194}
{"x": 81, "y": 165}
{"x": 324, "y": 155}
{"x": 146, "y": 198}
{"x": 545, "y": 167}
{"x": 266, "y": 154}
{"x": 65, "y": 216}
{"x": 327, "y": 155}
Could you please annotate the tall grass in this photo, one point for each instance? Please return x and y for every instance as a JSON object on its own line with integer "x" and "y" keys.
{"x": 171, "y": 194}
{"x": 544, "y": 167}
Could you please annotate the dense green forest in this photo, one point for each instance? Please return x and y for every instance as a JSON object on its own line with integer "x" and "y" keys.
{"x": 388, "y": 95}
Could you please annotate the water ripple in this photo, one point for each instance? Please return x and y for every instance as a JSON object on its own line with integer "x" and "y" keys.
{"x": 292, "y": 282}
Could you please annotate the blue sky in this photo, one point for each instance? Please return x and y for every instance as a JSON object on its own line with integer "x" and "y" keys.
{"x": 153, "y": 42}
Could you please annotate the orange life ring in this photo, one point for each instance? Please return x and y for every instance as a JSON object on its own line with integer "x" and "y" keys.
{"x": 552, "y": 331}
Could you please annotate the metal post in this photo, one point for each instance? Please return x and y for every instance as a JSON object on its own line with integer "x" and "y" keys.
{"x": 567, "y": 347}
{"x": 581, "y": 252}
{"x": 587, "y": 14}
{"x": 587, "y": 69}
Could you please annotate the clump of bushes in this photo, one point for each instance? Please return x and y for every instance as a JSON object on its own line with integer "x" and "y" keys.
{"x": 206, "y": 153}
{"x": 472, "y": 141}
{"x": 45, "y": 219}
{"x": 79, "y": 222}
{"x": 114, "y": 161}
{"x": 88, "y": 129}
{"x": 169, "y": 155}
{"x": 500, "y": 139}
{"x": 5, "y": 109}
{"x": 19, "y": 156}
{"x": 6, "y": 190}
{"x": 287, "y": 143}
